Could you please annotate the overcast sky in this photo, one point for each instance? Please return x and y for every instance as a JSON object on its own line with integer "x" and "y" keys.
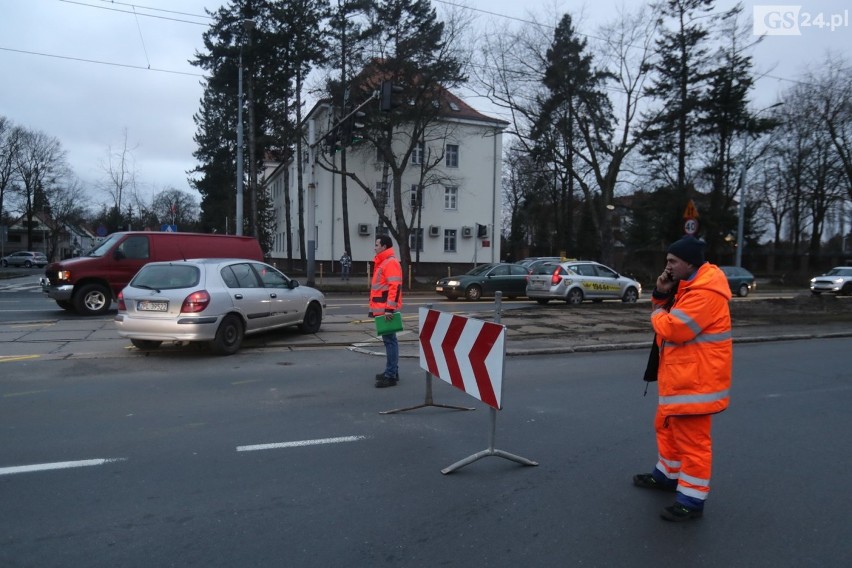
{"x": 84, "y": 71}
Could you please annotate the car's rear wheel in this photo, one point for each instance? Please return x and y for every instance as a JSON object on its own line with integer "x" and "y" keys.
{"x": 543, "y": 301}
{"x": 742, "y": 291}
{"x": 631, "y": 295}
{"x": 574, "y": 297}
{"x": 145, "y": 344}
{"x": 92, "y": 300}
{"x": 229, "y": 336}
{"x": 313, "y": 319}
{"x": 28, "y": 264}
{"x": 473, "y": 293}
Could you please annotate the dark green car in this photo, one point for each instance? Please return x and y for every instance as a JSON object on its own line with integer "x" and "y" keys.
{"x": 740, "y": 280}
{"x": 485, "y": 280}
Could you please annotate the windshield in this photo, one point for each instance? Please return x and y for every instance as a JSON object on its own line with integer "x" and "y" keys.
{"x": 480, "y": 270}
{"x": 839, "y": 272}
{"x": 104, "y": 247}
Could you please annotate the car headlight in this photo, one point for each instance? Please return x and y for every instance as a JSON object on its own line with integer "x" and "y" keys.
{"x": 63, "y": 275}
{"x": 813, "y": 280}
{"x": 453, "y": 283}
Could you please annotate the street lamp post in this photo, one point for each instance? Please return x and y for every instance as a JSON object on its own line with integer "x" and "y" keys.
{"x": 743, "y": 191}
{"x": 248, "y": 25}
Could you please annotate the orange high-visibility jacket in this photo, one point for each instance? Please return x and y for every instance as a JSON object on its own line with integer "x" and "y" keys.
{"x": 386, "y": 290}
{"x": 696, "y": 349}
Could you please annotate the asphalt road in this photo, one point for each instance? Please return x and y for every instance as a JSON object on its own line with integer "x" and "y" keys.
{"x": 185, "y": 483}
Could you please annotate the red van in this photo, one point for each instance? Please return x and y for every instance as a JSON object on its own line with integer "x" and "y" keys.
{"x": 88, "y": 284}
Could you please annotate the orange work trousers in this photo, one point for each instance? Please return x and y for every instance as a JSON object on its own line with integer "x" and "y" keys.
{"x": 686, "y": 454}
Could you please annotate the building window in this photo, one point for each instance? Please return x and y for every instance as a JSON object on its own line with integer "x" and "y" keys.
{"x": 415, "y": 240}
{"x": 452, "y": 155}
{"x": 451, "y": 197}
{"x": 415, "y": 196}
{"x": 417, "y": 155}
{"x": 449, "y": 240}
{"x": 382, "y": 194}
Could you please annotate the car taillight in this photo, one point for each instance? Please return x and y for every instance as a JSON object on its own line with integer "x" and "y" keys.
{"x": 554, "y": 279}
{"x": 121, "y": 306}
{"x": 195, "y": 302}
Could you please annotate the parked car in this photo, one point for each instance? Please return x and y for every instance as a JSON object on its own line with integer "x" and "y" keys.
{"x": 575, "y": 281}
{"x": 542, "y": 266}
{"x": 838, "y": 280}
{"x": 485, "y": 280}
{"x": 531, "y": 259}
{"x": 217, "y": 301}
{"x": 88, "y": 284}
{"x": 27, "y": 259}
{"x": 740, "y": 280}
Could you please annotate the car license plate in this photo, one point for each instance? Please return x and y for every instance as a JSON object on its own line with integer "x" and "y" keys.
{"x": 149, "y": 306}
{"x": 439, "y": 288}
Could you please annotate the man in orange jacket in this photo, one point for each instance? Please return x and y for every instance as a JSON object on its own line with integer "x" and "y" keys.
{"x": 385, "y": 299}
{"x": 692, "y": 323}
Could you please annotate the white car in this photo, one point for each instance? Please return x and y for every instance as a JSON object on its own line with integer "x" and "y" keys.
{"x": 578, "y": 280}
{"x": 217, "y": 301}
{"x": 838, "y": 280}
{"x": 27, "y": 259}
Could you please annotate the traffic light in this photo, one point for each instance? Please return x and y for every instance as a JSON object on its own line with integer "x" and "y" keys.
{"x": 356, "y": 130}
{"x": 390, "y": 98}
{"x": 332, "y": 139}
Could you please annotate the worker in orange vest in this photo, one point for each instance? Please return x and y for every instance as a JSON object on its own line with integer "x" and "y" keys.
{"x": 385, "y": 299}
{"x": 692, "y": 323}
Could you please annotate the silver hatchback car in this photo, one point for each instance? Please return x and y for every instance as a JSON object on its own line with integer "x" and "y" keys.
{"x": 217, "y": 301}
{"x": 578, "y": 280}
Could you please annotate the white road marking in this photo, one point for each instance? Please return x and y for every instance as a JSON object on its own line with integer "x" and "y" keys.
{"x": 57, "y": 465}
{"x": 300, "y": 443}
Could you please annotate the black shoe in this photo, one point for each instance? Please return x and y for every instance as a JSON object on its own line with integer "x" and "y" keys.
{"x": 385, "y": 382}
{"x": 381, "y": 377}
{"x": 678, "y": 513}
{"x": 648, "y": 481}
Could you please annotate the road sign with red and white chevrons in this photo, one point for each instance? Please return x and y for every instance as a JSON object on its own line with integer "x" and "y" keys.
{"x": 464, "y": 352}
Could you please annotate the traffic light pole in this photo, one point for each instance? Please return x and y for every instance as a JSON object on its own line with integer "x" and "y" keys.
{"x": 343, "y": 119}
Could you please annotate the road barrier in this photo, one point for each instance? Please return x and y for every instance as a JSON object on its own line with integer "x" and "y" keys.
{"x": 468, "y": 354}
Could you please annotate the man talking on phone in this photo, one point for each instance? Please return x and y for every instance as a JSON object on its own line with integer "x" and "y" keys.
{"x": 692, "y": 322}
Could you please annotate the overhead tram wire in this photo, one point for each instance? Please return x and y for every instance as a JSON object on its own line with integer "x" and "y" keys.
{"x": 102, "y": 62}
{"x": 142, "y": 14}
{"x": 142, "y": 38}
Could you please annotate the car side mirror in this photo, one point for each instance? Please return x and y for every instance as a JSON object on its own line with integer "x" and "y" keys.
{"x": 294, "y": 284}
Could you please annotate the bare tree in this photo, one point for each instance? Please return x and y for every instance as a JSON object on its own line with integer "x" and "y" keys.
{"x": 65, "y": 201}
{"x": 119, "y": 167}
{"x": 833, "y": 103}
{"x": 174, "y": 207}
{"x": 39, "y": 166}
{"x": 10, "y": 145}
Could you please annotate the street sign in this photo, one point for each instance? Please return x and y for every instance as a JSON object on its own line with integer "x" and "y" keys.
{"x": 464, "y": 352}
{"x": 690, "y": 227}
{"x": 691, "y": 212}
{"x": 166, "y": 228}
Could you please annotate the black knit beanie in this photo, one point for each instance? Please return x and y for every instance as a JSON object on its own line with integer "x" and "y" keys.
{"x": 688, "y": 249}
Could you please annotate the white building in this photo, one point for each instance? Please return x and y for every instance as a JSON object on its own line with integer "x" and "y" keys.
{"x": 464, "y": 192}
